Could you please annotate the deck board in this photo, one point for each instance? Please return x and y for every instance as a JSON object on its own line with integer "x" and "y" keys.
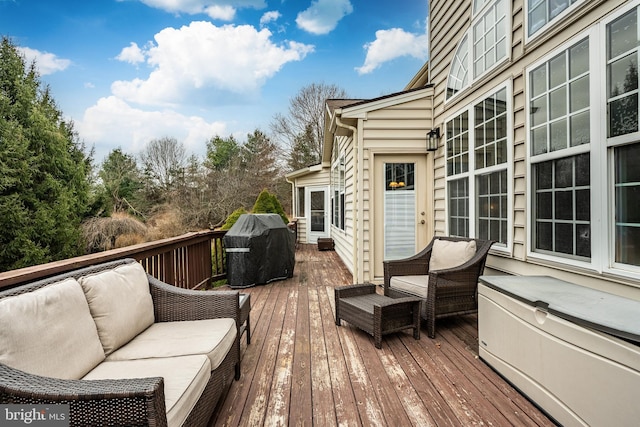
{"x": 302, "y": 369}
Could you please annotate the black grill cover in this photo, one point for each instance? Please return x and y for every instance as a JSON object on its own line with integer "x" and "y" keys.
{"x": 260, "y": 249}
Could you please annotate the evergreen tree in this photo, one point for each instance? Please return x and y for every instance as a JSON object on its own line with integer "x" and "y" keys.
{"x": 44, "y": 171}
{"x": 121, "y": 182}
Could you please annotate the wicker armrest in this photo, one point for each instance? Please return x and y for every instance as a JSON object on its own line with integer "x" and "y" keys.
{"x": 138, "y": 401}
{"x": 354, "y": 290}
{"x": 176, "y": 304}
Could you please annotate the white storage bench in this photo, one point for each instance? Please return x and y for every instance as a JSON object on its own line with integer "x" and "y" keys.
{"x": 572, "y": 350}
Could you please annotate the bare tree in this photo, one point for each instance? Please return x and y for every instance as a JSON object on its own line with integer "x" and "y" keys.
{"x": 304, "y": 120}
{"x": 164, "y": 161}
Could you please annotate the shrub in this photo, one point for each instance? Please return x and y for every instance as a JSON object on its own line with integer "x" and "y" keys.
{"x": 231, "y": 219}
{"x": 269, "y": 203}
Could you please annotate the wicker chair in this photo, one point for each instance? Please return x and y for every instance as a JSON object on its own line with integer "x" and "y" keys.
{"x": 451, "y": 291}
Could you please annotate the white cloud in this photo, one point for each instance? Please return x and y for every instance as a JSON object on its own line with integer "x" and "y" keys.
{"x": 323, "y": 15}
{"x": 202, "y": 57}
{"x": 223, "y": 13}
{"x": 217, "y": 9}
{"x": 112, "y": 120}
{"x": 46, "y": 63}
{"x": 392, "y": 44}
{"x": 131, "y": 54}
{"x": 268, "y": 17}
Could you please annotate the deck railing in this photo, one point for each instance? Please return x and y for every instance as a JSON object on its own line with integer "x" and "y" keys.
{"x": 190, "y": 261}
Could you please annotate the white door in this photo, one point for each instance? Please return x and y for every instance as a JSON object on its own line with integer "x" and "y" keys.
{"x": 317, "y": 202}
{"x": 402, "y": 221}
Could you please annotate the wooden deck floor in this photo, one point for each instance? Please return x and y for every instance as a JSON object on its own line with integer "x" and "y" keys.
{"x": 301, "y": 369}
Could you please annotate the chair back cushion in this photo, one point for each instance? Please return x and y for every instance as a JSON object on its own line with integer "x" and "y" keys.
{"x": 50, "y": 332}
{"x": 449, "y": 254}
{"x": 120, "y": 303}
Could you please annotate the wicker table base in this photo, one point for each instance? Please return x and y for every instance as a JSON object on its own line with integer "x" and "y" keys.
{"x": 376, "y": 314}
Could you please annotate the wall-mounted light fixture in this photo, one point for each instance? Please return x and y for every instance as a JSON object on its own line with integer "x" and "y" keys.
{"x": 433, "y": 139}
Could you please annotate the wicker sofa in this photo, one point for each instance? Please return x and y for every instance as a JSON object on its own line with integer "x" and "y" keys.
{"x": 118, "y": 346}
{"x": 444, "y": 274}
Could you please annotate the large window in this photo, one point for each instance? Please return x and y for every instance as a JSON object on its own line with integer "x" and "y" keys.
{"x": 484, "y": 45}
{"x": 584, "y": 143}
{"x": 490, "y": 37}
{"x": 622, "y": 74}
{"x": 477, "y": 185}
{"x": 541, "y": 12}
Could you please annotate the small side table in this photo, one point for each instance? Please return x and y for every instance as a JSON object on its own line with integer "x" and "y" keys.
{"x": 376, "y": 314}
{"x": 245, "y": 321}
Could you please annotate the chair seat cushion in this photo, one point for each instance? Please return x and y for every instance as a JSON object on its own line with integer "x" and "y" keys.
{"x": 449, "y": 254}
{"x": 211, "y": 337}
{"x": 185, "y": 378}
{"x": 415, "y": 285}
{"x": 50, "y": 332}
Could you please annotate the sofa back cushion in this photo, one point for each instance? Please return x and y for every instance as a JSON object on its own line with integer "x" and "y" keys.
{"x": 449, "y": 254}
{"x": 50, "y": 332}
{"x": 120, "y": 303}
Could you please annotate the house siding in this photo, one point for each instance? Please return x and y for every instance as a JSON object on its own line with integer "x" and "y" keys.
{"x": 449, "y": 20}
{"x": 396, "y": 129}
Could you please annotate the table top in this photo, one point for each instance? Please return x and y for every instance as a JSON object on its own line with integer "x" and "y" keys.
{"x": 603, "y": 311}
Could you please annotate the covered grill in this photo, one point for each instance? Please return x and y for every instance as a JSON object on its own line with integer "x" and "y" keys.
{"x": 260, "y": 249}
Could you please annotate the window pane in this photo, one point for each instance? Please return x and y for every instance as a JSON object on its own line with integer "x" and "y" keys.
{"x": 539, "y": 111}
{"x": 557, "y": 70}
{"x": 544, "y": 236}
{"x": 558, "y": 103}
{"x": 623, "y": 115}
{"x": 538, "y": 81}
{"x": 627, "y": 184}
{"x": 579, "y": 59}
{"x": 579, "y": 90}
{"x": 583, "y": 240}
{"x": 580, "y": 131}
{"x": 539, "y": 141}
{"x": 562, "y": 206}
{"x": 623, "y": 76}
{"x": 622, "y": 34}
{"x": 567, "y": 101}
{"x": 559, "y": 135}
{"x": 563, "y": 238}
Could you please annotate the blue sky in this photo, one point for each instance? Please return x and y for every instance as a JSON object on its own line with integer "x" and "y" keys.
{"x": 129, "y": 71}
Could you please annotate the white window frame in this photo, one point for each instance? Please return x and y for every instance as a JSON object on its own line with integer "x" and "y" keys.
{"x": 549, "y": 24}
{"x": 469, "y": 35}
{"x": 472, "y": 172}
{"x": 601, "y": 149}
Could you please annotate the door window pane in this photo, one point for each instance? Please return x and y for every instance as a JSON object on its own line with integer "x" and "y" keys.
{"x": 317, "y": 211}
{"x": 399, "y": 211}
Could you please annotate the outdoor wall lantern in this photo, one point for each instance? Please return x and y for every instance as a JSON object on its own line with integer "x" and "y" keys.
{"x": 433, "y": 138}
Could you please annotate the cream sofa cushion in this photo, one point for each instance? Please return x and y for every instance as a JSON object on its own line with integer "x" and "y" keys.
{"x": 447, "y": 254}
{"x": 211, "y": 337}
{"x": 415, "y": 285}
{"x": 185, "y": 378}
{"x": 50, "y": 332}
{"x": 120, "y": 303}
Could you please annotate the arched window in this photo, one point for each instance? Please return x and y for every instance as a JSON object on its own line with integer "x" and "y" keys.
{"x": 485, "y": 44}
{"x": 459, "y": 72}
